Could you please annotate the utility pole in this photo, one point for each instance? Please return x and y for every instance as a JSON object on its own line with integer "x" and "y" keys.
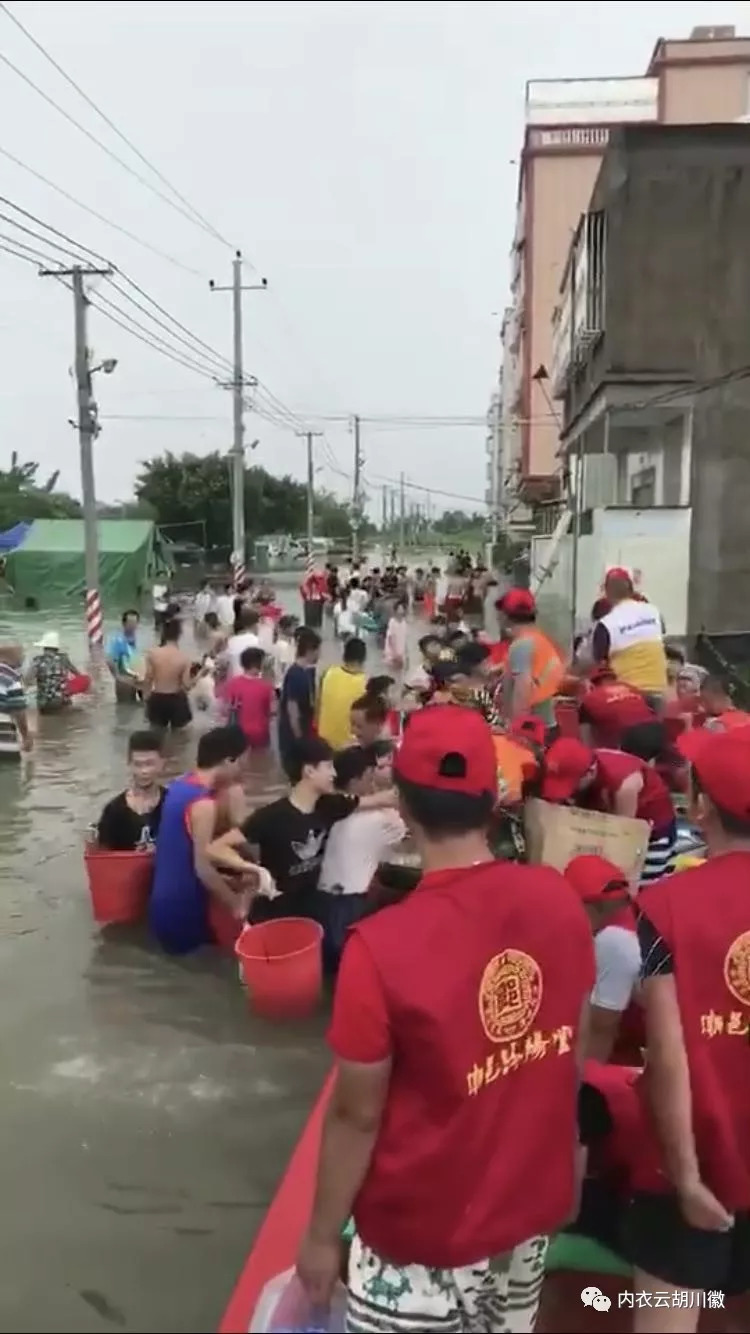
{"x": 495, "y": 478}
{"x": 309, "y": 436}
{"x": 357, "y": 492}
{"x": 88, "y": 430}
{"x": 402, "y": 514}
{"x": 238, "y": 385}
{"x": 385, "y": 510}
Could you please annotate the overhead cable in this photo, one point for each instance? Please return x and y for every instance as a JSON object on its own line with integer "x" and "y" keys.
{"x": 197, "y": 216}
{"x": 100, "y": 217}
{"x": 110, "y": 152}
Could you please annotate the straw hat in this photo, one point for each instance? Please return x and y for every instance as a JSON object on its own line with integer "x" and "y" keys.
{"x": 50, "y": 639}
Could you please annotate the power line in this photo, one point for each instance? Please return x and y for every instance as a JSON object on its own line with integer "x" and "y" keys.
{"x": 137, "y": 331}
{"x": 188, "y": 342}
{"x": 100, "y": 217}
{"x": 105, "y": 149}
{"x": 27, "y": 258}
{"x": 203, "y": 222}
{"x": 158, "y": 417}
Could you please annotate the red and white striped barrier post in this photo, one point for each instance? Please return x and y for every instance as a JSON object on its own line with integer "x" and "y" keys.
{"x": 94, "y": 620}
{"x": 239, "y": 573}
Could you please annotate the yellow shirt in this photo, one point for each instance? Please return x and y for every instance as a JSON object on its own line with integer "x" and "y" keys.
{"x": 636, "y": 645}
{"x": 339, "y": 689}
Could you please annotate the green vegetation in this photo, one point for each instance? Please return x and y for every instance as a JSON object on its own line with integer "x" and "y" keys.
{"x": 23, "y": 498}
{"x": 187, "y": 490}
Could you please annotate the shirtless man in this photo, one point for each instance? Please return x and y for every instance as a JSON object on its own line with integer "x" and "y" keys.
{"x": 167, "y": 681}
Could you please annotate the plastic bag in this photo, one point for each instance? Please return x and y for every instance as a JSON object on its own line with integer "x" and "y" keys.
{"x": 283, "y": 1306}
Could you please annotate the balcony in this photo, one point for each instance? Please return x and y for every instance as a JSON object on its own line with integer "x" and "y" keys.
{"x": 578, "y": 320}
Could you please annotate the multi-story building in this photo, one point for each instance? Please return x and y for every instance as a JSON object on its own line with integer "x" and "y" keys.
{"x": 703, "y": 79}
{"x": 652, "y": 370}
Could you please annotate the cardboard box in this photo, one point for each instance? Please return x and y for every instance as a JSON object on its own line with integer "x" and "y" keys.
{"x": 556, "y": 834}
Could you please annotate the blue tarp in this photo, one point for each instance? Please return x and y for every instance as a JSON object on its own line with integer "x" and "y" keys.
{"x": 13, "y": 537}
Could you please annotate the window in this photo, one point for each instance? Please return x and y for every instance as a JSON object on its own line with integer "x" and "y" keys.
{"x": 643, "y": 489}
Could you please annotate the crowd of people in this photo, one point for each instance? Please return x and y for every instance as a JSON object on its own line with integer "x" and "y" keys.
{"x": 490, "y": 1017}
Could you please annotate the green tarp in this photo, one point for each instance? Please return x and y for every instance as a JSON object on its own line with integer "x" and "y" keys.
{"x": 49, "y": 568}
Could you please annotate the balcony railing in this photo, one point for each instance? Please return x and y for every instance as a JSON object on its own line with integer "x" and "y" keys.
{"x": 578, "y": 319}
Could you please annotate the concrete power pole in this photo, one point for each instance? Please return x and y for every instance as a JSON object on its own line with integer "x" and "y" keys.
{"x": 309, "y": 436}
{"x": 88, "y": 430}
{"x": 356, "y": 493}
{"x": 402, "y": 515}
{"x": 238, "y": 385}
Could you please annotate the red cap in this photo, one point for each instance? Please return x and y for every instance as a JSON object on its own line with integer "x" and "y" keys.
{"x": 530, "y": 728}
{"x": 618, "y": 572}
{"x": 449, "y": 748}
{"x": 722, "y": 763}
{"x": 518, "y": 602}
{"x": 567, "y": 761}
{"x": 596, "y": 880}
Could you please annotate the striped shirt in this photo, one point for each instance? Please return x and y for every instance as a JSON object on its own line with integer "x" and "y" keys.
{"x": 12, "y": 703}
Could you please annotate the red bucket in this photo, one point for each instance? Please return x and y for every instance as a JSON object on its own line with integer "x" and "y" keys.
{"x": 225, "y": 929}
{"x": 281, "y": 964}
{"x": 77, "y": 684}
{"x": 119, "y": 884}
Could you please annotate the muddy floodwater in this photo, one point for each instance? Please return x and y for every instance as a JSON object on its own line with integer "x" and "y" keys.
{"x": 145, "y": 1114}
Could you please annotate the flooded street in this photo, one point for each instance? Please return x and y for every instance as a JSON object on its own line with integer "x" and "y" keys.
{"x": 146, "y": 1114}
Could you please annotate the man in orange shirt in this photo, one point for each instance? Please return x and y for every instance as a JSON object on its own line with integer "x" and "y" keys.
{"x": 458, "y": 1029}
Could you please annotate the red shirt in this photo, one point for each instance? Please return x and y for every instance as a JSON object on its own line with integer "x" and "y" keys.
{"x": 611, "y": 708}
{"x": 701, "y": 916}
{"x": 251, "y": 700}
{"x": 654, "y": 801}
{"x": 464, "y": 985}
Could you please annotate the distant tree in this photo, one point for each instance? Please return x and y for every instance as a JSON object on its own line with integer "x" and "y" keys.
{"x": 23, "y": 498}
{"x": 458, "y": 521}
{"x": 189, "y": 489}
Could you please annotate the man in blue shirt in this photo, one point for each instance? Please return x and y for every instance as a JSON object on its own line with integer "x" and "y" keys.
{"x": 121, "y": 658}
{"x": 297, "y": 701}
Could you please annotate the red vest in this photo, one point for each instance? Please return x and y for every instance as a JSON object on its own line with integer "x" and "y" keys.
{"x": 654, "y": 801}
{"x": 484, "y": 1009}
{"x": 618, "y": 1084}
{"x": 703, "y": 916}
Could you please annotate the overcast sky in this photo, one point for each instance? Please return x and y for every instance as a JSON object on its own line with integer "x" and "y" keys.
{"x": 362, "y": 155}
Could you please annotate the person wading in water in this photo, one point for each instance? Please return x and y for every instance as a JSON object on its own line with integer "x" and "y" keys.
{"x": 167, "y": 681}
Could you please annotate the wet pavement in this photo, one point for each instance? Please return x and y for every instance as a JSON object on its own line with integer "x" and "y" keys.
{"x": 146, "y": 1115}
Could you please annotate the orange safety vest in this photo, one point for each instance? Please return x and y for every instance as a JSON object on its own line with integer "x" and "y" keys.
{"x": 547, "y": 666}
{"x": 515, "y": 764}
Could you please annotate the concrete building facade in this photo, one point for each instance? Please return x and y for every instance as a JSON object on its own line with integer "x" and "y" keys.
{"x": 652, "y": 357}
{"x": 704, "y": 79}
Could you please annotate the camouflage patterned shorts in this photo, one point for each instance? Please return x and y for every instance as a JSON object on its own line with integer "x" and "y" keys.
{"x": 491, "y": 1297}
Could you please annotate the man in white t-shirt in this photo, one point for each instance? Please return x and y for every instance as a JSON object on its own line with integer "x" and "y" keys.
{"x": 605, "y": 894}
{"x": 246, "y": 638}
{"x": 225, "y": 608}
{"x": 357, "y": 598}
{"x": 354, "y": 849}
